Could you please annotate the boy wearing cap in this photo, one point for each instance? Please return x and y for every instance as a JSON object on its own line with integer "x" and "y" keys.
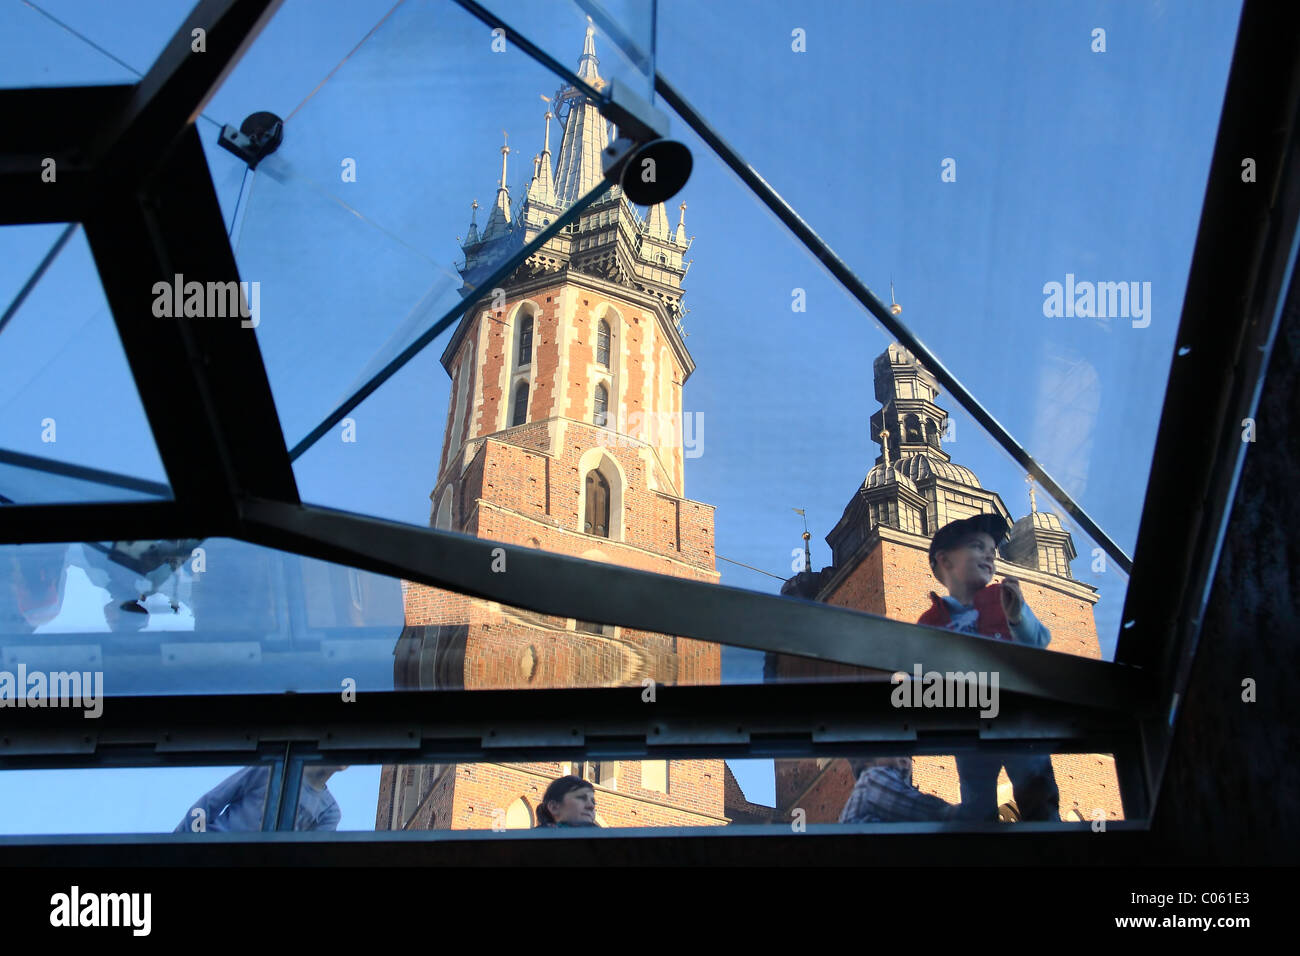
{"x": 961, "y": 556}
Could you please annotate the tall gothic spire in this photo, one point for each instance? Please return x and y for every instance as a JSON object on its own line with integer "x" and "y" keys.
{"x": 578, "y": 169}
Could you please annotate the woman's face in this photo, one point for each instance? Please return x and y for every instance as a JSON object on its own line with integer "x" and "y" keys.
{"x": 578, "y": 806}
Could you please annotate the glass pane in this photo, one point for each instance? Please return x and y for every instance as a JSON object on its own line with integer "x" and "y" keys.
{"x": 66, "y": 391}
{"x": 26, "y": 481}
{"x": 135, "y": 800}
{"x": 22, "y": 250}
{"x": 431, "y": 797}
{"x": 990, "y": 161}
{"x": 84, "y": 43}
{"x": 355, "y": 242}
{"x": 780, "y": 413}
{"x": 790, "y": 794}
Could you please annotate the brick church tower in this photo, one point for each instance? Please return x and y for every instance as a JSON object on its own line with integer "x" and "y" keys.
{"x": 880, "y": 564}
{"x": 564, "y": 432}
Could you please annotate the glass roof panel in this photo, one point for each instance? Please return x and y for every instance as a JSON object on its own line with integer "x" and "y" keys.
{"x": 1009, "y": 160}
{"x": 66, "y": 392}
{"x": 84, "y": 42}
{"x": 779, "y": 415}
{"x": 356, "y": 243}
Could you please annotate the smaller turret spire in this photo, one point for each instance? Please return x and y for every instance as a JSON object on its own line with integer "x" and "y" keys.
{"x": 542, "y": 189}
{"x": 472, "y": 236}
{"x": 884, "y": 444}
{"x": 680, "y": 238}
{"x": 1033, "y": 502}
{"x": 657, "y": 221}
{"x": 499, "y": 221}
{"x": 807, "y": 551}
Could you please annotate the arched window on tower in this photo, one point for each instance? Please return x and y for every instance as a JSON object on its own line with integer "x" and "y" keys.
{"x": 597, "y": 518}
{"x": 931, "y": 433}
{"x": 602, "y": 405}
{"x": 602, "y": 343}
{"x": 525, "y": 340}
{"x": 521, "y": 405}
{"x": 912, "y": 429}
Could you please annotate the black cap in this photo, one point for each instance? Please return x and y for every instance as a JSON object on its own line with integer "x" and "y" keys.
{"x": 995, "y": 526}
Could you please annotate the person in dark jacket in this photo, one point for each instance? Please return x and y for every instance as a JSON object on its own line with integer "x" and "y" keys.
{"x": 568, "y": 802}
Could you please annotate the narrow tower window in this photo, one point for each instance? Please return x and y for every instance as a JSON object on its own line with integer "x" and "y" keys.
{"x": 526, "y": 340}
{"x": 597, "y": 521}
{"x": 602, "y": 343}
{"x": 602, "y": 405}
{"x": 521, "y": 405}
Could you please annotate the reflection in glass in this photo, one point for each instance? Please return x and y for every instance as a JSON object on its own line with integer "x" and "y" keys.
{"x": 238, "y": 803}
{"x": 861, "y": 788}
{"x": 196, "y": 616}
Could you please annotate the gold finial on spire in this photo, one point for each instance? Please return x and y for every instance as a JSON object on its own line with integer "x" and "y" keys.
{"x": 894, "y": 307}
{"x": 884, "y": 444}
{"x": 681, "y": 220}
{"x": 1033, "y": 502}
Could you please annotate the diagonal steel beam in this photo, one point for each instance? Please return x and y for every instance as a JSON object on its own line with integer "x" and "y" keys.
{"x": 109, "y": 479}
{"x": 201, "y": 380}
{"x": 121, "y": 521}
{"x": 570, "y": 587}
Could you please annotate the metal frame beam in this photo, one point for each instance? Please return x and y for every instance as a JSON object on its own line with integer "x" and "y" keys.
{"x": 557, "y": 584}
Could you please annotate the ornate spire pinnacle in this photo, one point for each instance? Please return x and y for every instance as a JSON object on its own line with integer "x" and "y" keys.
{"x": 807, "y": 552}
{"x": 1033, "y": 502}
{"x": 656, "y": 223}
{"x": 542, "y": 189}
{"x": 499, "y": 221}
{"x": 680, "y": 238}
{"x": 884, "y": 444}
{"x": 588, "y": 64}
{"x": 578, "y": 168}
{"x": 471, "y": 237}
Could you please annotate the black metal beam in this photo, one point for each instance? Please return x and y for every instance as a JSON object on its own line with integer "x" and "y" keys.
{"x": 56, "y": 124}
{"x": 96, "y": 521}
{"x": 170, "y": 97}
{"x": 557, "y": 584}
{"x": 822, "y": 845}
{"x": 691, "y": 722}
{"x": 109, "y": 479}
{"x": 201, "y": 380}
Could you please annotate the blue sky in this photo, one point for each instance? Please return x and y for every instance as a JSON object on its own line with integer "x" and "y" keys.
{"x": 1068, "y": 161}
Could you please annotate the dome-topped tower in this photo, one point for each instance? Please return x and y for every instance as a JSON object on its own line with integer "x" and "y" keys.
{"x": 914, "y": 485}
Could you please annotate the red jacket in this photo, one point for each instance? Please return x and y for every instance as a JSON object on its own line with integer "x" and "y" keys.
{"x": 992, "y": 621}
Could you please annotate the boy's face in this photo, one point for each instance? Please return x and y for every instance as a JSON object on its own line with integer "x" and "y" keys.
{"x": 970, "y": 562}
